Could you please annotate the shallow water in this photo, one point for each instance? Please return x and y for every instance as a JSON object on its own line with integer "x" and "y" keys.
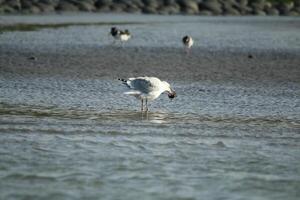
{"x": 80, "y": 138}
{"x": 223, "y": 141}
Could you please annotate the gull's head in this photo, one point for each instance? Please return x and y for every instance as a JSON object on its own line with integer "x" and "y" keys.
{"x": 113, "y": 31}
{"x": 167, "y": 88}
{"x": 186, "y": 39}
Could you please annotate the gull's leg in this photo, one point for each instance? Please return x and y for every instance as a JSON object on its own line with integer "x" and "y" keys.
{"x": 189, "y": 51}
{"x": 146, "y": 105}
{"x": 142, "y": 107}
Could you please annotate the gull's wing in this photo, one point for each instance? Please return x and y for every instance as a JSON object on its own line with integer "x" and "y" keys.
{"x": 142, "y": 84}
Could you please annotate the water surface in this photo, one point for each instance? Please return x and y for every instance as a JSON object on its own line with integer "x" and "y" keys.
{"x": 68, "y": 132}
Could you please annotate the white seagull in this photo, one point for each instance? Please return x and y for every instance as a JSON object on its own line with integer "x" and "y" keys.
{"x": 147, "y": 88}
{"x": 187, "y": 42}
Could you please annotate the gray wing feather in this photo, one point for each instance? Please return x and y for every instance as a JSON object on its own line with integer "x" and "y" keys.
{"x": 142, "y": 85}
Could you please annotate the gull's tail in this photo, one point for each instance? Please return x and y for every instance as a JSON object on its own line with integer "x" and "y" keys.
{"x": 123, "y": 80}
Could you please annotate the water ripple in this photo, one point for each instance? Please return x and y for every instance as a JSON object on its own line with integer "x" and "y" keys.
{"x": 152, "y": 117}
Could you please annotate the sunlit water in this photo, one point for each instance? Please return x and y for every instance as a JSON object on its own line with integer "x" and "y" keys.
{"x": 71, "y": 138}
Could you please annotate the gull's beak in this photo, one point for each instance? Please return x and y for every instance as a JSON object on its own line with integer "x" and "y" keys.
{"x": 172, "y": 94}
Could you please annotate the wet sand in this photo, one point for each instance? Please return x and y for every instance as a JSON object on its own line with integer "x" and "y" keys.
{"x": 225, "y": 48}
{"x": 113, "y": 62}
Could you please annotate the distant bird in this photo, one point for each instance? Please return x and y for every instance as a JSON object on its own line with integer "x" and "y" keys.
{"x": 115, "y": 32}
{"x": 119, "y": 34}
{"x": 147, "y": 88}
{"x": 187, "y": 42}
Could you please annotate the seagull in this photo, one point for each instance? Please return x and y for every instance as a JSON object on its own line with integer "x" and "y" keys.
{"x": 147, "y": 88}
{"x": 187, "y": 42}
{"x": 119, "y": 34}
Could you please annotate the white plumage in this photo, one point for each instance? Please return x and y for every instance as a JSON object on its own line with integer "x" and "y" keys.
{"x": 190, "y": 43}
{"x": 125, "y": 37}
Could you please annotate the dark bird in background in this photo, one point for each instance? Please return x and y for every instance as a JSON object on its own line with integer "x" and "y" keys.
{"x": 119, "y": 34}
{"x": 188, "y": 43}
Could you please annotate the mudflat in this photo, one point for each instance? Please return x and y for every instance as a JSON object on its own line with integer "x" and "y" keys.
{"x": 230, "y": 48}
